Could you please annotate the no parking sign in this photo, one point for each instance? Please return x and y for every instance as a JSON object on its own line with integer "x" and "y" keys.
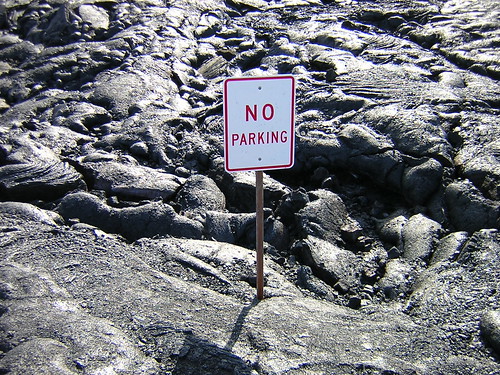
{"x": 259, "y": 119}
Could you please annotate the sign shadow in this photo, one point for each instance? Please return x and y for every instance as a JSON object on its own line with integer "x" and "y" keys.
{"x": 200, "y": 356}
{"x": 238, "y": 325}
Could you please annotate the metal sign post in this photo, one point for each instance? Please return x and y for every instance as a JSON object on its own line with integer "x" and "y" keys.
{"x": 259, "y": 134}
{"x": 259, "y": 225}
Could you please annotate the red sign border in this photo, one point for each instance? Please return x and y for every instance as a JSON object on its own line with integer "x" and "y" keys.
{"x": 226, "y": 125}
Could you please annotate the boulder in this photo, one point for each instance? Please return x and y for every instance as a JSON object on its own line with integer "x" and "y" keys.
{"x": 240, "y": 229}
{"x": 323, "y": 216}
{"x": 391, "y": 229}
{"x": 46, "y": 181}
{"x": 397, "y": 280}
{"x": 449, "y": 247}
{"x": 490, "y": 328}
{"x": 131, "y": 181}
{"x": 468, "y": 209}
{"x": 200, "y": 194}
{"x": 148, "y": 220}
{"x": 420, "y": 235}
{"x": 241, "y": 191}
{"x": 422, "y": 180}
{"x": 28, "y": 212}
{"x": 338, "y": 267}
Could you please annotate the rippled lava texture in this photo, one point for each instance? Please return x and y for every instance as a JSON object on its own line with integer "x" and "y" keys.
{"x": 126, "y": 248}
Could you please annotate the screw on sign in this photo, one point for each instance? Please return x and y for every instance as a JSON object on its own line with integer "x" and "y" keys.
{"x": 259, "y": 121}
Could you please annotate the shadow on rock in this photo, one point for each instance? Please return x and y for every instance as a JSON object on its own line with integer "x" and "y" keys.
{"x": 198, "y": 356}
{"x": 182, "y": 352}
{"x": 203, "y": 357}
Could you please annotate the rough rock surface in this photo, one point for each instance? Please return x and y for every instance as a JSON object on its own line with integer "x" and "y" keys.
{"x": 126, "y": 248}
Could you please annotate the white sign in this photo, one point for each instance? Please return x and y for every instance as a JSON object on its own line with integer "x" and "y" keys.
{"x": 259, "y": 118}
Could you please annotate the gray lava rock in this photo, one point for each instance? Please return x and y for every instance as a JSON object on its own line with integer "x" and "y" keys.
{"x": 139, "y": 149}
{"x": 385, "y": 168}
{"x": 455, "y": 294}
{"x": 397, "y": 104}
{"x": 449, "y": 247}
{"x": 86, "y": 208}
{"x": 241, "y": 191}
{"x": 52, "y": 357}
{"x": 249, "y": 4}
{"x": 18, "y": 50}
{"x": 236, "y": 265}
{"x": 323, "y": 216}
{"x": 420, "y": 235}
{"x": 40, "y": 312}
{"x": 122, "y": 92}
{"x": 372, "y": 155}
{"x": 422, "y": 180}
{"x": 490, "y": 328}
{"x": 200, "y": 194}
{"x": 307, "y": 280}
{"x": 131, "y": 181}
{"x": 398, "y": 279}
{"x": 363, "y": 140}
{"x": 391, "y": 230}
{"x": 228, "y": 227}
{"x": 468, "y": 209}
{"x": 414, "y": 131}
{"x": 119, "y": 93}
{"x": 69, "y": 293}
{"x": 28, "y": 212}
{"x": 33, "y": 171}
{"x": 336, "y": 266}
{"x": 61, "y": 28}
{"x": 240, "y": 229}
{"x": 451, "y": 79}
{"x": 318, "y": 149}
{"x": 48, "y": 181}
{"x": 80, "y": 117}
{"x": 148, "y": 220}
{"x": 479, "y": 164}
{"x": 333, "y": 102}
{"x": 213, "y": 68}
{"x": 96, "y": 17}
{"x": 290, "y": 204}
